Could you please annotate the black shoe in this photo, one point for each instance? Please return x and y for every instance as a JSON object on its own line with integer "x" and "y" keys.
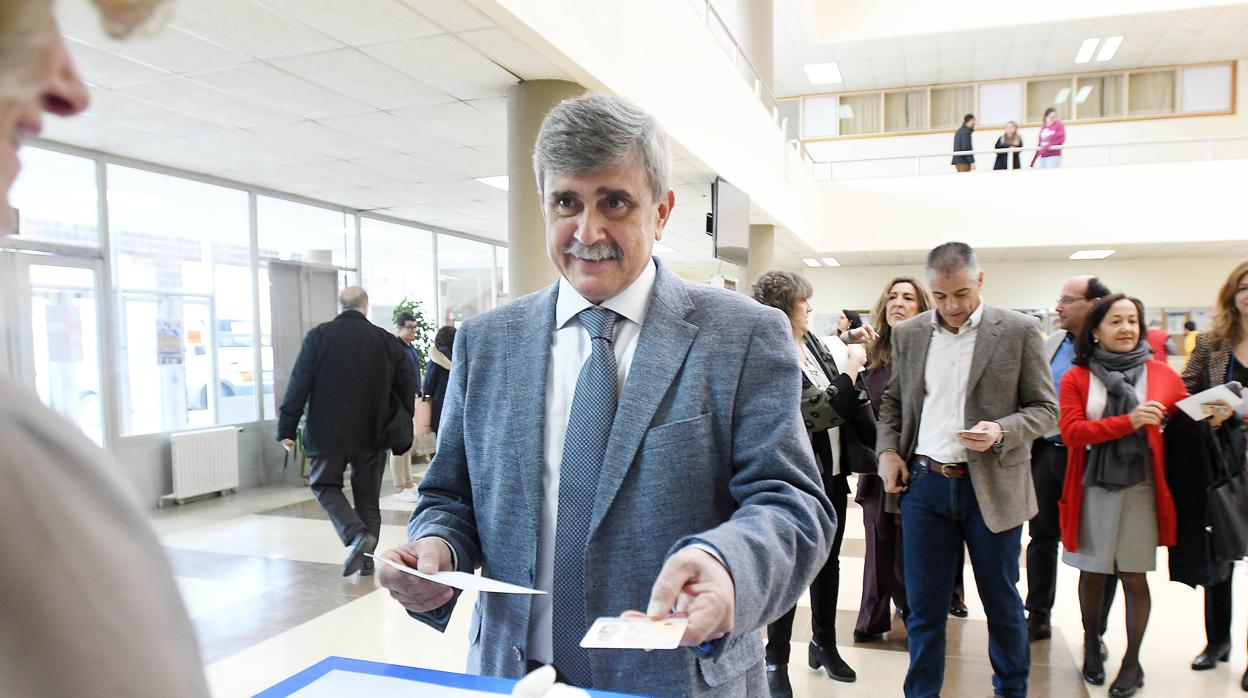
{"x": 367, "y": 570}
{"x": 1210, "y": 656}
{"x": 363, "y": 543}
{"x": 1243, "y": 683}
{"x": 957, "y": 609}
{"x": 830, "y": 660}
{"x": 1038, "y": 628}
{"x": 1125, "y": 686}
{"x": 778, "y": 681}
{"x": 860, "y": 638}
{"x": 1093, "y": 667}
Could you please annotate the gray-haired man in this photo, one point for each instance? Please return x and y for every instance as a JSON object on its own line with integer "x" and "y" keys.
{"x": 599, "y": 441}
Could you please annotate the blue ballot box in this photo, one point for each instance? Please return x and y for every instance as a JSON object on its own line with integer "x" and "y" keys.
{"x": 339, "y": 676}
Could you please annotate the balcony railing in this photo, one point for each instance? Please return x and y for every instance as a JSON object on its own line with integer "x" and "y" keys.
{"x": 1073, "y": 155}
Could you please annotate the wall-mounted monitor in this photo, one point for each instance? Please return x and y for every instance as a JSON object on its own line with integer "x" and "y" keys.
{"x": 729, "y": 223}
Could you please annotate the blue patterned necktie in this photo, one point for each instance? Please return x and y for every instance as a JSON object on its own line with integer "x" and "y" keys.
{"x": 589, "y": 425}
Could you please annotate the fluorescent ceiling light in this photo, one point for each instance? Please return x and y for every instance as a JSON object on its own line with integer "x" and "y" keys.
{"x": 1083, "y": 93}
{"x": 811, "y": 262}
{"x": 831, "y": 261}
{"x": 1109, "y": 48}
{"x": 661, "y": 249}
{"x": 1086, "y": 50}
{"x": 1062, "y": 95}
{"x": 498, "y": 182}
{"x": 1092, "y": 254}
{"x": 823, "y": 73}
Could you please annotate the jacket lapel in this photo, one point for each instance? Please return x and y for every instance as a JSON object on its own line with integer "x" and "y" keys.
{"x": 916, "y": 363}
{"x": 526, "y": 334}
{"x": 985, "y": 344}
{"x": 661, "y": 348}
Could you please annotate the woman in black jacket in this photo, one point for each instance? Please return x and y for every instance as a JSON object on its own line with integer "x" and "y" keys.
{"x": 1221, "y": 355}
{"x": 1010, "y": 139}
{"x": 438, "y": 372}
{"x": 841, "y": 426}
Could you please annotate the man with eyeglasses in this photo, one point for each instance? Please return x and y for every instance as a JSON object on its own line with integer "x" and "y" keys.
{"x": 1048, "y": 465}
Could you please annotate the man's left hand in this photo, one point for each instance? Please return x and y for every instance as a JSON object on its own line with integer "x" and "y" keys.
{"x": 982, "y": 442}
{"x": 694, "y": 584}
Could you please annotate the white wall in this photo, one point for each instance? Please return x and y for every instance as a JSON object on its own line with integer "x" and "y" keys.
{"x": 1174, "y": 283}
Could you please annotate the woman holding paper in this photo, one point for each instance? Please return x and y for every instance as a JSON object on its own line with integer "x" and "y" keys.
{"x": 1116, "y": 507}
{"x": 1220, "y": 356}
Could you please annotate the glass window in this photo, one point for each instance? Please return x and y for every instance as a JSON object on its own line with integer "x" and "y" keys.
{"x": 1150, "y": 93}
{"x": 502, "y": 277}
{"x": 1099, "y": 97}
{"x": 1042, "y": 94}
{"x": 999, "y": 103}
{"x": 950, "y": 105}
{"x": 905, "y": 111}
{"x": 300, "y": 233}
{"x": 186, "y": 327}
{"x": 819, "y": 118}
{"x": 1207, "y": 88}
{"x": 860, "y": 114}
{"x": 791, "y": 117}
{"x": 465, "y": 278}
{"x": 397, "y": 263}
{"x": 55, "y": 196}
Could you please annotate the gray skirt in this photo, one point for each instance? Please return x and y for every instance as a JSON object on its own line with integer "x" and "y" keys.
{"x": 1117, "y": 530}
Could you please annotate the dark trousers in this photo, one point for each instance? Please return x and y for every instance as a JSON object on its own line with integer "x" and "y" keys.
{"x": 1218, "y": 612}
{"x": 1048, "y": 472}
{"x": 367, "y": 470}
{"x": 940, "y": 515}
{"x": 823, "y": 591}
{"x": 883, "y": 577}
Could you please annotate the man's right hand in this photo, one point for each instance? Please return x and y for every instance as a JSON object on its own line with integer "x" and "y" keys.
{"x": 428, "y": 555}
{"x": 894, "y": 472}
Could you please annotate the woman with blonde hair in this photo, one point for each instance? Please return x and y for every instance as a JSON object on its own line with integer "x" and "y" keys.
{"x": 1220, "y": 356}
{"x": 1011, "y": 140}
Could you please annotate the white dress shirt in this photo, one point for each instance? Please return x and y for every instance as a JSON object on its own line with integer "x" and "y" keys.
{"x": 570, "y": 347}
{"x": 945, "y": 377}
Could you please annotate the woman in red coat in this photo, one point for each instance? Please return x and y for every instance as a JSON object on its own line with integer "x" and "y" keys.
{"x": 1116, "y": 508}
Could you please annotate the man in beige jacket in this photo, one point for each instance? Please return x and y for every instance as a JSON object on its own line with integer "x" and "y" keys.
{"x": 970, "y": 391}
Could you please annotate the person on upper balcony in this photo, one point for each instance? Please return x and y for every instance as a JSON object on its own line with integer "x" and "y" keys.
{"x": 962, "y": 143}
{"x": 1052, "y": 138}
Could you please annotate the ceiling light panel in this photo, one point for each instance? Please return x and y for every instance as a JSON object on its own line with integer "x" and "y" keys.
{"x": 1092, "y": 254}
{"x": 1086, "y": 50}
{"x": 811, "y": 262}
{"x": 823, "y": 73}
{"x": 1109, "y": 48}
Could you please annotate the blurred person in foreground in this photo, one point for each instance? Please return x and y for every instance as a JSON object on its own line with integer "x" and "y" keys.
{"x": 622, "y": 440}
{"x": 91, "y": 607}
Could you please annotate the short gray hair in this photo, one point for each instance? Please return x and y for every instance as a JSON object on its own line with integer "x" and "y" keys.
{"x": 595, "y": 132}
{"x": 352, "y": 298}
{"x": 951, "y": 258}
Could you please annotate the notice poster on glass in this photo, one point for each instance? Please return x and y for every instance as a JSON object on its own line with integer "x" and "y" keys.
{"x": 64, "y": 333}
{"x": 169, "y": 342}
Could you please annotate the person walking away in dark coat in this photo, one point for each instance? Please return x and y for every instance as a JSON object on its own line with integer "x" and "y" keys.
{"x": 1010, "y": 139}
{"x": 439, "y": 372}
{"x": 962, "y": 143}
{"x": 351, "y": 374}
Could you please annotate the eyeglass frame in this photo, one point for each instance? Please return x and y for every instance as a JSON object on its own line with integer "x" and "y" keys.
{"x": 1065, "y": 301}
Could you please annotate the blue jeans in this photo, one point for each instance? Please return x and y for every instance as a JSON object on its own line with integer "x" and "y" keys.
{"x": 938, "y": 514}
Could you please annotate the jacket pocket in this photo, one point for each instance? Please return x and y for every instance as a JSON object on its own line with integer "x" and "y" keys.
{"x": 691, "y": 429}
{"x": 741, "y": 654}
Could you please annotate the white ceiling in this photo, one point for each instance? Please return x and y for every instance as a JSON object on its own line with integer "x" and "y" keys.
{"x": 1013, "y": 50}
{"x": 1042, "y": 254}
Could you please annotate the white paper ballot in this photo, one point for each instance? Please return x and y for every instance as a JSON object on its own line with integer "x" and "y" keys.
{"x": 1193, "y": 405}
{"x": 462, "y": 580}
{"x": 977, "y": 431}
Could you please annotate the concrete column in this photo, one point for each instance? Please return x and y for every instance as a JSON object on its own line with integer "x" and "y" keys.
{"x": 527, "y": 104}
{"x": 754, "y": 34}
{"x": 762, "y": 256}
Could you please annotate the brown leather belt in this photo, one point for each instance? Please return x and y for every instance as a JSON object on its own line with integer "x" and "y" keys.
{"x": 949, "y": 470}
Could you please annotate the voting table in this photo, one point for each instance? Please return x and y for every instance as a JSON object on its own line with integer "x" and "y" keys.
{"x": 339, "y": 676}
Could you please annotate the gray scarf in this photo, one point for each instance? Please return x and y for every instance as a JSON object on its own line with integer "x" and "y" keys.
{"x": 1119, "y": 464}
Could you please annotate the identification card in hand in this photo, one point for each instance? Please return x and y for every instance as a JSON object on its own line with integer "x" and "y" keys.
{"x": 977, "y": 431}
{"x": 635, "y": 634}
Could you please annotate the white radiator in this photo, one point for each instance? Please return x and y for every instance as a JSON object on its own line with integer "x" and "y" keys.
{"x": 203, "y": 462}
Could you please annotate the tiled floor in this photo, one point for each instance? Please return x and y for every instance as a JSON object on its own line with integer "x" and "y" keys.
{"x": 260, "y": 574}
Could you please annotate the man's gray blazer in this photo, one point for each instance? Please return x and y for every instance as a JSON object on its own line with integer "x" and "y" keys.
{"x": 1010, "y": 383}
{"x": 707, "y": 446}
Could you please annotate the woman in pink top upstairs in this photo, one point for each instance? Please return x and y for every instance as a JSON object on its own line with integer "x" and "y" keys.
{"x": 1052, "y": 136}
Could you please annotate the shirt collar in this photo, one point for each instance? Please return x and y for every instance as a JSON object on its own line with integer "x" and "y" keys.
{"x": 631, "y": 303}
{"x": 972, "y": 322}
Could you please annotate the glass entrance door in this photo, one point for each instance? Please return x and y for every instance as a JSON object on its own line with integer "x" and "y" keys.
{"x": 62, "y": 338}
